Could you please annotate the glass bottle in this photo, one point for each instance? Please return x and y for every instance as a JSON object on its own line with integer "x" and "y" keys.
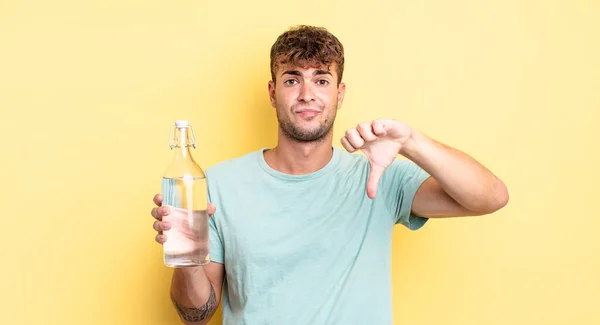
{"x": 184, "y": 191}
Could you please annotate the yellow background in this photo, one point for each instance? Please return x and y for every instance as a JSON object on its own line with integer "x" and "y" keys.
{"x": 88, "y": 91}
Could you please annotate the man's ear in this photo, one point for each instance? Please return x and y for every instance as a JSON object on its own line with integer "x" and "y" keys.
{"x": 341, "y": 94}
{"x": 272, "y": 92}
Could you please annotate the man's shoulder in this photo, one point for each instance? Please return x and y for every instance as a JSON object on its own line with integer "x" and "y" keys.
{"x": 234, "y": 165}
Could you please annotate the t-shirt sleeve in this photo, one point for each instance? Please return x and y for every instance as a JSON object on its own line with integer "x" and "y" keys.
{"x": 216, "y": 242}
{"x": 398, "y": 186}
{"x": 216, "y": 245}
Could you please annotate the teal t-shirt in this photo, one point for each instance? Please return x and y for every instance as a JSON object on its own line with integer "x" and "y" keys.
{"x": 310, "y": 249}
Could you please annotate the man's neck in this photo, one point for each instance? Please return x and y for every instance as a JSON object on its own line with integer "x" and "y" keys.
{"x": 298, "y": 158}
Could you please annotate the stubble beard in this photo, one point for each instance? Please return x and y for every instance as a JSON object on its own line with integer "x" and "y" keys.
{"x": 294, "y": 133}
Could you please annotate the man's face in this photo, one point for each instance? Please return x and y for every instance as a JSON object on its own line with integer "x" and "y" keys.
{"x": 306, "y": 101}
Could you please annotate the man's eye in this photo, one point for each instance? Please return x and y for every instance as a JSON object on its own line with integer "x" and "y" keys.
{"x": 290, "y": 82}
{"x": 323, "y": 82}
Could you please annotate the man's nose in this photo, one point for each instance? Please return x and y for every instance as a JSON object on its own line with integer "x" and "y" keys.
{"x": 306, "y": 92}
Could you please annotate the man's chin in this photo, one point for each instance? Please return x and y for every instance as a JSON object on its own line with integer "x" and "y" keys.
{"x": 307, "y": 134}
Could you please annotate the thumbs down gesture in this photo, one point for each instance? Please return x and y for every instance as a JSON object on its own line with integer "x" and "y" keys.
{"x": 381, "y": 140}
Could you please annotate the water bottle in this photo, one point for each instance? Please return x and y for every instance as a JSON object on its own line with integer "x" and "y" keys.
{"x": 184, "y": 191}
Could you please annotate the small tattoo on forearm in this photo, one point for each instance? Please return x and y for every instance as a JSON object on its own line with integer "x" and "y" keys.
{"x": 197, "y": 314}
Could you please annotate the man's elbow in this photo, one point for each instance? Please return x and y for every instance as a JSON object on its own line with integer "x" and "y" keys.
{"x": 498, "y": 199}
{"x": 183, "y": 321}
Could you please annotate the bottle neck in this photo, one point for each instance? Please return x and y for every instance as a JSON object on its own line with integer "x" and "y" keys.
{"x": 182, "y": 153}
{"x": 181, "y": 143}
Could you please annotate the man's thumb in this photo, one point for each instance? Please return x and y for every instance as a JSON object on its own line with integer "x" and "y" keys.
{"x": 373, "y": 182}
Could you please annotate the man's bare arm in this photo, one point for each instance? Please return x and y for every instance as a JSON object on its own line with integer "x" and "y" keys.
{"x": 199, "y": 314}
{"x": 459, "y": 186}
{"x": 196, "y": 292}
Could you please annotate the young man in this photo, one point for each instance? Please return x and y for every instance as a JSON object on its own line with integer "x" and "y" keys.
{"x": 302, "y": 232}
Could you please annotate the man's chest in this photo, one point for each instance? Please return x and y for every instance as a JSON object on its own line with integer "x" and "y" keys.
{"x": 288, "y": 228}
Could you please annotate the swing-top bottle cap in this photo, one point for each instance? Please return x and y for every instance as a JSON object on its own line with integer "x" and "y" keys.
{"x": 181, "y": 123}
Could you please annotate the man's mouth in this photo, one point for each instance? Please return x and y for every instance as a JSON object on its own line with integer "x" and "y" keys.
{"x": 308, "y": 112}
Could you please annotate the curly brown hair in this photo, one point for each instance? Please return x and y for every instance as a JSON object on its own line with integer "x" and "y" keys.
{"x": 307, "y": 46}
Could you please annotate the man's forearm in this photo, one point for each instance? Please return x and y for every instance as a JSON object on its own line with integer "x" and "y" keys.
{"x": 193, "y": 295}
{"x": 463, "y": 178}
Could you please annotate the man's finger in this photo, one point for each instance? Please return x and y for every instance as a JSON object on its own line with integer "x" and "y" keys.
{"x": 373, "y": 182}
{"x": 379, "y": 127}
{"x": 161, "y": 238}
{"x": 158, "y": 199}
{"x": 355, "y": 139}
{"x": 159, "y": 212}
{"x": 211, "y": 209}
{"x": 161, "y": 226}
{"x": 347, "y": 145}
{"x": 366, "y": 131}
{"x": 154, "y": 213}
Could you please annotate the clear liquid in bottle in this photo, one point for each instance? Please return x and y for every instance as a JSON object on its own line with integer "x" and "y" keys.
{"x": 184, "y": 191}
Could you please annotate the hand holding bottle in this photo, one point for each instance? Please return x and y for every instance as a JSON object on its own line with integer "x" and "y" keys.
{"x": 159, "y": 212}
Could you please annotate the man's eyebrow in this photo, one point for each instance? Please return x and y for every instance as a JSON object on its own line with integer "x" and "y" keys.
{"x": 292, "y": 72}
{"x": 298, "y": 73}
{"x": 317, "y": 72}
